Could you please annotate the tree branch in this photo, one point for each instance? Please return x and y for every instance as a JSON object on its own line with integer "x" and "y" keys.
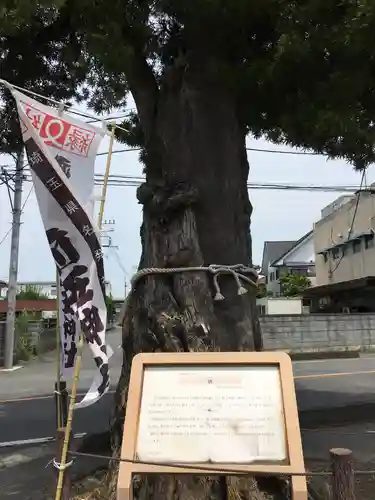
{"x": 143, "y": 86}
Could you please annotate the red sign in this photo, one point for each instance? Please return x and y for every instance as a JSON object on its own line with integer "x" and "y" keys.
{"x": 59, "y": 133}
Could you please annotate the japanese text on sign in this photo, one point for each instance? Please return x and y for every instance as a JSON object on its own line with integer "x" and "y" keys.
{"x": 217, "y": 414}
{"x": 59, "y": 133}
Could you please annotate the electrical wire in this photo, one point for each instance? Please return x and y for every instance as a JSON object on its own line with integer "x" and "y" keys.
{"x": 94, "y": 119}
{"x": 123, "y": 180}
{"x": 70, "y": 109}
{"x": 27, "y": 198}
{"x": 22, "y": 208}
{"x": 353, "y": 220}
{"x": 118, "y": 260}
{"x": 6, "y": 235}
{"x": 137, "y": 181}
{"x": 120, "y": 151}
{"x": 258, "y": 150}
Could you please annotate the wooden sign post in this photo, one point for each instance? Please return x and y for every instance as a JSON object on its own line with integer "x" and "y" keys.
{"x": 219, "y": 412}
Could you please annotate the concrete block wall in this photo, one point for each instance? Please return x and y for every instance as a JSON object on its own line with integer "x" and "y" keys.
{"x": 2, "y": 342}
{"x": 318, "y": 332}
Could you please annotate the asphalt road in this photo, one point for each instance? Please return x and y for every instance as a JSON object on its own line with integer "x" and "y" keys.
{"x": 35, "y": 418}
{"x": 27, "y": 408}
{"x": 319, "y": 385}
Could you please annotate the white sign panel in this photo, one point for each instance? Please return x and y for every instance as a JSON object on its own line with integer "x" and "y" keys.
{"x": 219, "y": 414}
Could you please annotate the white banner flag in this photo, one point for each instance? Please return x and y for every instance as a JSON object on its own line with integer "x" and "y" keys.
{"x": 61, "y": 153}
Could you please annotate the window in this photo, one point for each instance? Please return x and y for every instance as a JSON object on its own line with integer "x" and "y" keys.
{"x": 335, "y": 253}
{"x": 301, "y": 272}
{"x": 356, "y": 246}
{"x": 261, "y": 310}
{"x": 271, "y": 277}
{"x": 343, "y": 250}
{"x": 369, "y": 241}
{"x": 325, "y": 257}
{"x": 277, "y": 274}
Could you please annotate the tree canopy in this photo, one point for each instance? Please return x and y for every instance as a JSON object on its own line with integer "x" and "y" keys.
{"x": 31, "y": 292}
{"x": 293, "y": 284}
{"x": 203, "y": 75}
{"x": 39, "y": 52}
{"x": 302, "y": 72}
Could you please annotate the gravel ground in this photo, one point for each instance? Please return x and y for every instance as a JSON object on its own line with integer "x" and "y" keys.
{"x": 365, "y": 484}
{"x": 26, "y": 475}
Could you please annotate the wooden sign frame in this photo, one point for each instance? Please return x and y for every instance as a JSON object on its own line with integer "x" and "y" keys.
{"x": 290, "y": 413}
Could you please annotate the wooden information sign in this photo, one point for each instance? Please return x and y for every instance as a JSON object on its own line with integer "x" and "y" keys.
{"x": 219, "y": 412}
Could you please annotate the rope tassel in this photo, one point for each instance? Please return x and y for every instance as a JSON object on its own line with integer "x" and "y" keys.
{"x": 240, "y": 273}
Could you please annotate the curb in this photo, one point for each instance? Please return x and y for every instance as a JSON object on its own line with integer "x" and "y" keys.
{"x": 308, "y": 419}
{"x": 337, "y": 416}
{"x": 313, "y": 355}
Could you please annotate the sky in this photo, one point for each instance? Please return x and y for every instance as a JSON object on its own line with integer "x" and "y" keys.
{"x": 277, "y": 215}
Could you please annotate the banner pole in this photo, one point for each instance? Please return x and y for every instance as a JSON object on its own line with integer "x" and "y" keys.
{"x": 106, "y": 177}
{"x": 63, "y": 464}
{"x": 61, "y": 394}
{"x": 58, "y": 355}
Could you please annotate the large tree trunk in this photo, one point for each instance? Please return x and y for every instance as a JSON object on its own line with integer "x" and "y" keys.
{"x": 196, "y": 211}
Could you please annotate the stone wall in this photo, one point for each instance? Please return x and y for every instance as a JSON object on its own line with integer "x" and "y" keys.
{"x": 318, "y": 332}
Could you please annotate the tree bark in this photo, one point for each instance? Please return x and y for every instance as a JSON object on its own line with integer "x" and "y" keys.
{"x": 196, "y": 211}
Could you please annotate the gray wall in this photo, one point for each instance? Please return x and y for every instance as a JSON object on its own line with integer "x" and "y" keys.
{"x": 2, "y": 342}
{"x": 310, "y": 332}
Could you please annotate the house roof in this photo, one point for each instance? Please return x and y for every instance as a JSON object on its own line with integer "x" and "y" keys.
{"x": 366, "y": 282}
{"x": 276, "y": 249}
{"x": 293, "y": 244}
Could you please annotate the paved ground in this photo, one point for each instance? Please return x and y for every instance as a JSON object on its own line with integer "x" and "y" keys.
{"x": 38, "y": 377}
{"x": 27, "y": 408}
{"x": 333, "y": 385}
{"x": 24, "y": 475}
{"x": 335, "y": 382}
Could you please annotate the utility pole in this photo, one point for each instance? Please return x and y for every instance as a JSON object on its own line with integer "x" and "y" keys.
{"x": 13, "y": 264}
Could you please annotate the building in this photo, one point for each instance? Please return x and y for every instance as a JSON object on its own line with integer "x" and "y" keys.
{"x": 288, "y": 256}
{"x": 47, "y": 288}
{"x": 3, "y": 286}
{"x": 345, "y": 255}
{"x": 281, "y": 306}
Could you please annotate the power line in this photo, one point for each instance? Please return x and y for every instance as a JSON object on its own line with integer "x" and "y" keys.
{"x": 94, "y": 119}
{"x": 23, "y": 206}
{"x": 6, "y": 235}
{"x": 283, "y": 152}
{"x": 352, "y": 223}
{"x": 118, "y": 260}
{"x": 133, "y": 181}
{"x": 123, "y": 180}
{"x": 258, "y": 150}
{"x": 119, "y": 151}
{"x": 27, "y": 198}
